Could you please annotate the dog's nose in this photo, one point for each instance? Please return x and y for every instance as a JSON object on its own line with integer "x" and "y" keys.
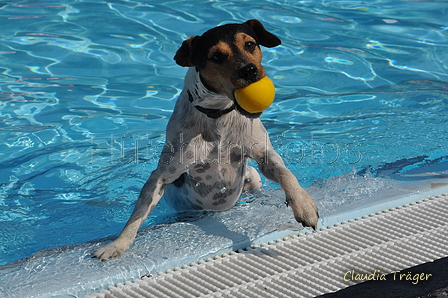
{"x": 249, "y": 72}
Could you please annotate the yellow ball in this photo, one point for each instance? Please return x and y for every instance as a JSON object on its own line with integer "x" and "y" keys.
{"x": 256, "y": 97}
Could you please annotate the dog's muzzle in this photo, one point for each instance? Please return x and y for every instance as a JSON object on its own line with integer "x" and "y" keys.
{"x": 249, "y": 72}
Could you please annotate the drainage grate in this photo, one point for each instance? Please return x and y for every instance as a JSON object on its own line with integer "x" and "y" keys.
{"x": 310, "y": 264}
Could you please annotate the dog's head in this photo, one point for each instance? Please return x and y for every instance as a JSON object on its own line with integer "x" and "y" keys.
{"x": 228, "y": 57}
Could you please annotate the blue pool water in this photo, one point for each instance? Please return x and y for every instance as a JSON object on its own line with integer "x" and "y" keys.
{"x": 87, "y": 88}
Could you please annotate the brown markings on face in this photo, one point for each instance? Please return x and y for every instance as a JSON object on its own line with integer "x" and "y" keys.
{"x": 224, "y": 61}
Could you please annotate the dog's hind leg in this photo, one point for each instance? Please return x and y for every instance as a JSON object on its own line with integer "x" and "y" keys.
{"x": 252, "y": 180}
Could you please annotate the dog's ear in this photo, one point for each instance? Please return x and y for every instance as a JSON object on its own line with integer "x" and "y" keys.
{"x": 184, "y": 55}
{"x": 265, "y": 38}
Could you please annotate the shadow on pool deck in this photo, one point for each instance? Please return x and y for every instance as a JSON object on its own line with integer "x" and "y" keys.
{"x": 435, "y": 286}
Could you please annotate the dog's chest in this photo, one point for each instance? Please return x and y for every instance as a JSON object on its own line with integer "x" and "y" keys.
{"x": 214, "y": 186}
{"x": 213, "y": 181}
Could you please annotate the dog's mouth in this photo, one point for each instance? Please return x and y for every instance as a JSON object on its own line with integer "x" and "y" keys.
{"x": 244, "y": 112}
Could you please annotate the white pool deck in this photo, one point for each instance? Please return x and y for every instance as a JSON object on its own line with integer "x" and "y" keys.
{"x": 72, "y": 272}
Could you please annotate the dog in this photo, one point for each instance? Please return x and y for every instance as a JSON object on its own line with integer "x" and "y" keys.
{"x": 209, "y": 137}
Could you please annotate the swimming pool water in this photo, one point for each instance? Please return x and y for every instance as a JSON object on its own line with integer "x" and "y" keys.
{"x": 87, "y": 88}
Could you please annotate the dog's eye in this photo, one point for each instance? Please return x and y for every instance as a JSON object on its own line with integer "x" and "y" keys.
{"x": 218, "y": 57}
{"x": 250, "y": 46}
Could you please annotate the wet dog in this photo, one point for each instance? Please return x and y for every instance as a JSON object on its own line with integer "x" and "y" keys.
{"x": 209, "y": 138}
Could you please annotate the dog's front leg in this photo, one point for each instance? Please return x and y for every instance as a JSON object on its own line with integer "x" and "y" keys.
{"x": 272, "y": 167}
{"x": 149, "y": 196}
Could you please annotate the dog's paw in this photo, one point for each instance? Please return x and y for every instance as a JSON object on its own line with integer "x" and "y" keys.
{"x": 109, "y": 251}
{"x": 304, "y": 208}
